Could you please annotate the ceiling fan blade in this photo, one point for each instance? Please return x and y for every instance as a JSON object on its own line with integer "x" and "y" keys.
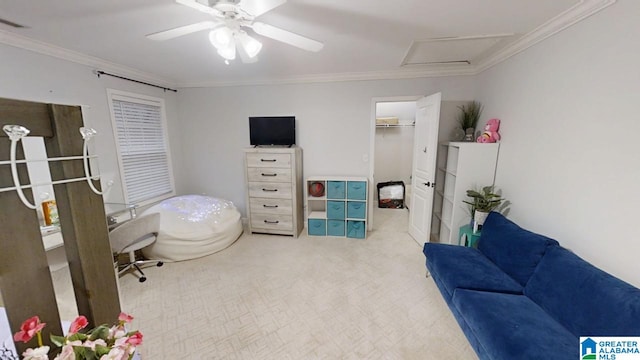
{"x": 182, "y": 30}
{"x": 287, "y": 37}
{"x": 200, "y": 7}
{"x": 259, "y": 7}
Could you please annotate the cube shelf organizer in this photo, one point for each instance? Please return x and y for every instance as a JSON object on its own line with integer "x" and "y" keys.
{"x": 337, "y": 206}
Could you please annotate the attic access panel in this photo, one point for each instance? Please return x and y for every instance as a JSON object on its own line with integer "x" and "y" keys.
{"x": 464, "y": 50}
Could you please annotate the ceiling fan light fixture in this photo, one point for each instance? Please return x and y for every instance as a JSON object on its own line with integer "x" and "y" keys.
{"x": 228, "y": 52}
{"x": 221, "y": 37}
{"x": 250, "y": 45}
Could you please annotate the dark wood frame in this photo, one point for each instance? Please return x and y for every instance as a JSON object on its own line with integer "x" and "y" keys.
{"x": 25, "y": 279}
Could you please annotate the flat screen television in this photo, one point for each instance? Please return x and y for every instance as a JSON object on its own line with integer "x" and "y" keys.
{"x": 272, "y": 130}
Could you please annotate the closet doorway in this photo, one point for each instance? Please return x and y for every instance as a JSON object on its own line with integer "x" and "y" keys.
{"x": 393, "y": 146}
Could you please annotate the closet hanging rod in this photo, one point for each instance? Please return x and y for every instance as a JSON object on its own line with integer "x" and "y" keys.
{"x": 100, "y": 72}
{"x": 8, "y": 162}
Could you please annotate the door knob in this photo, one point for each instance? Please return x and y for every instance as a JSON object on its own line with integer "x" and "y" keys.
{"x": 424, "y": 150}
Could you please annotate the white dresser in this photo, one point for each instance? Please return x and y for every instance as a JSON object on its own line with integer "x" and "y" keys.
{"x": 274, "y": 190}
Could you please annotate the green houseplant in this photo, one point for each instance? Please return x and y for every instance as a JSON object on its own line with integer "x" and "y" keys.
{"x": 468, "y": 118}
{"x": 482, "y": 203}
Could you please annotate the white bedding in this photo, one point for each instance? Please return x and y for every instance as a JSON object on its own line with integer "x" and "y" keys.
{"x": 193, "y": 226}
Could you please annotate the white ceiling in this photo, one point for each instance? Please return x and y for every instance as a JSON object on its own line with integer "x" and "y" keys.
{"x": 363, "y": 38}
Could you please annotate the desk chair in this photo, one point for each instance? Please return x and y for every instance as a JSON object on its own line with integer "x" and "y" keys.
{"x": 133, "y": 235}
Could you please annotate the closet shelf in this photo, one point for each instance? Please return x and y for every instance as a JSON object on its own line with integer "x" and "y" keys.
{"x": 394, "y": 125}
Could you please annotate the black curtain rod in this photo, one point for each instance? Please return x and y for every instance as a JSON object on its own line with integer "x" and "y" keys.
{"x": 99, "y": 72}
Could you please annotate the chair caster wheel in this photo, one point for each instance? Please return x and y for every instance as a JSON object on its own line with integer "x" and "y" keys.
{"x": 143, "y": 279}
{"x": 160, "y": 263}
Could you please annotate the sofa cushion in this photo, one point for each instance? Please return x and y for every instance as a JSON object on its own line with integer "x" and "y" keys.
{"x": 515, "y": 250}
{"x": 512, "y": 326}
{"x": 464, "y": 267}
{"x": 585, "y": 299}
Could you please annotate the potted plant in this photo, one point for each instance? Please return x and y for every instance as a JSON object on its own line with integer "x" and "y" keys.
{"x": 483, "y": 202}
{"x": 468, "y": 119}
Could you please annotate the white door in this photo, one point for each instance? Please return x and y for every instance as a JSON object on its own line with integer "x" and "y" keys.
{"x": 424, "y": 166}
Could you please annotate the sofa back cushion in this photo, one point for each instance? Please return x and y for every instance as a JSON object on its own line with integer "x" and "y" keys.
{"x": 515, "y": 250}
{"x": 584, "y": 299}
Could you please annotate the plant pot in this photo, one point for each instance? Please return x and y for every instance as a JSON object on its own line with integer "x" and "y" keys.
{"x": 479, "y": 218}
{"x": 469, "y": 134}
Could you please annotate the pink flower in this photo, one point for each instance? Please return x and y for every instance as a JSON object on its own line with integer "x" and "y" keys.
{"x": 29, "y": 329}
{"x": 135, "y": 339}
{"x": 79, "y": 323}
{"x": 124, "y": 318}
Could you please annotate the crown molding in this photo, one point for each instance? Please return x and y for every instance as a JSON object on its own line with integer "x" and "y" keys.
{"x": 576, "y": 13}
{"x": 25, "y": 43}
{"x": 571, "y": 16}
{"x": 341, "y": 77}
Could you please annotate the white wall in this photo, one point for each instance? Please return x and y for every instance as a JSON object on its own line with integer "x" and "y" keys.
{"x": 569, "y": 159}
{"x": 26, "y": 75}
{"x": 333, "y": 126}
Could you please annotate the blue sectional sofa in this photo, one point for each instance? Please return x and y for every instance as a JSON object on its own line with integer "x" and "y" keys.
{"x": 520, "y": 295}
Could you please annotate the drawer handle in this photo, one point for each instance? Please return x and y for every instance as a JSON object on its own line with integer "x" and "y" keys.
{"x": 271, "y": 222}
{"x": 270, "y": 190}
{"x": 263, "y": 174}
{"x": 268, "y": 160}
{"x": 270, "y": 206}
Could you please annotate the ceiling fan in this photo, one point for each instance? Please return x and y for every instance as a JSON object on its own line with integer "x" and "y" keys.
{"x": 227, "y": 28}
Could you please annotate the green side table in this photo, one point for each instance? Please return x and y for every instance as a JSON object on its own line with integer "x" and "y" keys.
{"x": 467, "y": 237}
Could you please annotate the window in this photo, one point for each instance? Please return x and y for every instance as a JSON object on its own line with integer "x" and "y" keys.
{"x": 143, "y": 151}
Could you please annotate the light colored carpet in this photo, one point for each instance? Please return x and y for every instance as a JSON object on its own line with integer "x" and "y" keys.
{"x": 275, "y": 297}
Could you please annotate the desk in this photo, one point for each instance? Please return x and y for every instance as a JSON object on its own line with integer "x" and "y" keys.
{"x": 112, "y": 210}
{"x": 467, "y": 237}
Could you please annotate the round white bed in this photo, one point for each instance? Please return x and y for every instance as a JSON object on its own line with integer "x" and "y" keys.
{"x": 193, "y": 226}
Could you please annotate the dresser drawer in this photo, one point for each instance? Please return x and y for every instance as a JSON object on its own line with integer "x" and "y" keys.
{"x": 271, "y": 206}
{"x": 270, "y": 190}
{"x": 269, "y": 174}
{"x": 271, "y": 222}
{"x": 268, "y": 160}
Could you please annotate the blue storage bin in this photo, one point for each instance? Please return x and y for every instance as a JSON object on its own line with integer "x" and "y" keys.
{"x": 336, "y": 190}
{"x": 356, "y": 209}
{"x": 335, "y": 210}
{"x": 317, "y": 227}
{"x": 335, "y": 227}
{"x": 357, "y": 190}
{"x": 355, "y": 229}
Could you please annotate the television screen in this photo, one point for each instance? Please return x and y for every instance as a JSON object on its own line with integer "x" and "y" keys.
{"x": 272, "y": 130}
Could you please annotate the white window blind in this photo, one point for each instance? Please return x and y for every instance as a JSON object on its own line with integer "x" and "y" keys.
{"x": 144, "y": 157}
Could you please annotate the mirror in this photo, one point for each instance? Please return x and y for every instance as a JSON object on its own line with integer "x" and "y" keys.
{"x": 44, "y": 197}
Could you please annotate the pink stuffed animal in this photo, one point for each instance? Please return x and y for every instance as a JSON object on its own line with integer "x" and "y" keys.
{"x": 490, "y": 134}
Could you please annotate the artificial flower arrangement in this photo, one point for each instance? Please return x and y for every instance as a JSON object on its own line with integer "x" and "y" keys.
{"x": 101, "y": 343}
